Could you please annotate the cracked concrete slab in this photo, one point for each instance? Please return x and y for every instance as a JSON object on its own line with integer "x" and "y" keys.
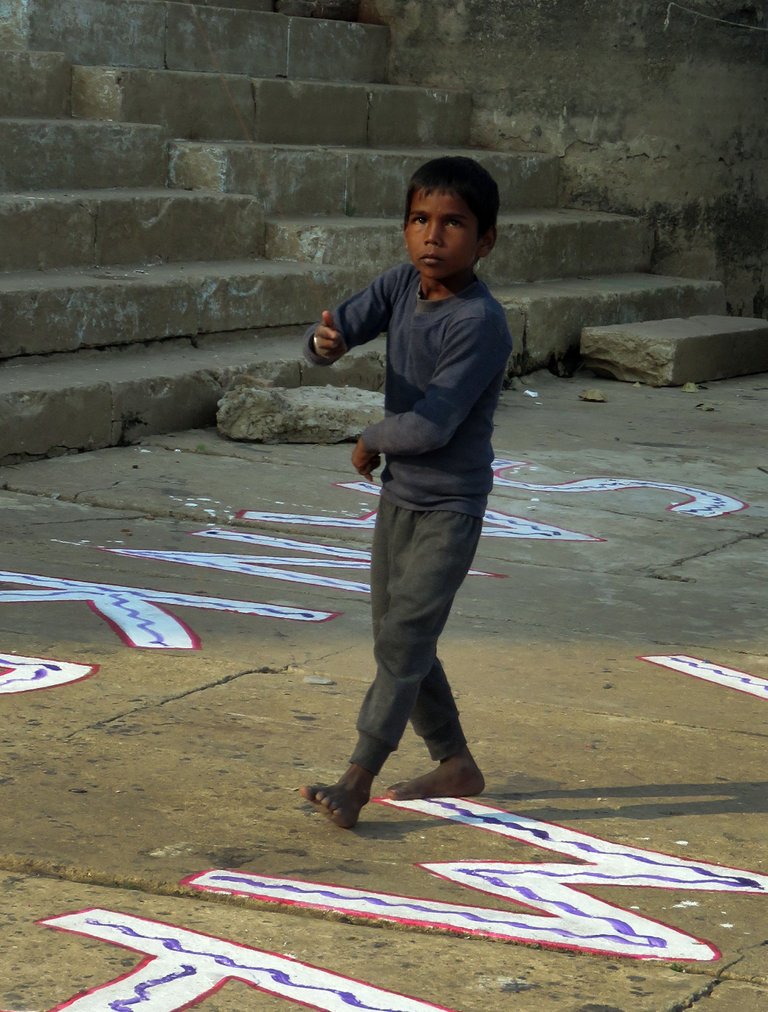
{"x": 484, "y": 975}
{"x": 168, "y": 762}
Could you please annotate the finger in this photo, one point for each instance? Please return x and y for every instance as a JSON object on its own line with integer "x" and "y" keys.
{"x": 327, "y": 317}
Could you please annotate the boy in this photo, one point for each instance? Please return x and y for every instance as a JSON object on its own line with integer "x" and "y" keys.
{"x": 447, "y": 351}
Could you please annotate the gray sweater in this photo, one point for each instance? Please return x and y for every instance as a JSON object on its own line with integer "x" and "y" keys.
{"x": 445, "y": 365}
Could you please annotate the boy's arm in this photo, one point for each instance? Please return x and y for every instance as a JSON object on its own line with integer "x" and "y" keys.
{"x": 475, "y": 354}
{"x": 358, "y": 320}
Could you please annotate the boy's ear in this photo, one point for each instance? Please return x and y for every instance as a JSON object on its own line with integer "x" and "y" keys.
{"x": 486, "y": 242}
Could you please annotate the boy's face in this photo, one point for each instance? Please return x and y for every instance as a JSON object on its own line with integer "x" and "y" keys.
{"x": 441, "y": 236}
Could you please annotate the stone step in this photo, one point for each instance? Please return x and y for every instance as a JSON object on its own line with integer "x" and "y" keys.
{"x": 41, "y": 154}
{"x": 547, "y": 317}
{"x": 245, "y": 5}
{"x": 186, "y": 36}
{"x": 305, "y": 179}
{"x": 34, "y": 84}
{"x": 87, "y": 228}
{"x": 46, "y": 312}
{"x": 531, "y": 244}
{"x": 89, "y": 400}
{"x": 213, "y": 106}
{"x": 676, "y": 351}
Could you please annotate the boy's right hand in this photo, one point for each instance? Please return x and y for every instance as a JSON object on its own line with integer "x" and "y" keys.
{"x": 327, "y": 341}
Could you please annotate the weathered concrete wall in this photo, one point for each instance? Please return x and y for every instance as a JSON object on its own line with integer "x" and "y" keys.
{"x": 670, "y": 123}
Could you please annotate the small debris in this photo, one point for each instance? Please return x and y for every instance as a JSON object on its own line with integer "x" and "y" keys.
{"x": 592, "y": 395}
{"x": 318, "y": 680}
{"x": 530, "y": 393}
{"x": 705, "y": 407}
{"x": 690, "y": 388}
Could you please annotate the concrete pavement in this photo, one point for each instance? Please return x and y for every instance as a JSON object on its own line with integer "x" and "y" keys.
{"x": 207, "y": 684}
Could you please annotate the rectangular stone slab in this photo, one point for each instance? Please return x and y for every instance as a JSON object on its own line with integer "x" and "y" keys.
{"x": 677, "y": 351}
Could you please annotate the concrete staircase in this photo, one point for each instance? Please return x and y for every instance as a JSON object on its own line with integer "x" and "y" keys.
{"x": 183, "y": 187}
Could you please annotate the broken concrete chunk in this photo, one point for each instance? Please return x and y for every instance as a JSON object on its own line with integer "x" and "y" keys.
{"x": 678, "y": 351}
{"x": 303, "y": 415}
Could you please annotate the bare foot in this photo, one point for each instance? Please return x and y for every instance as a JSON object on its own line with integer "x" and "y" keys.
{"x": 342, "y": 801}
{"x": 458, "y": 776}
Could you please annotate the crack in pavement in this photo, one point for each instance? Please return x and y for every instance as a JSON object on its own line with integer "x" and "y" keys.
{"x": 226, "y": 679}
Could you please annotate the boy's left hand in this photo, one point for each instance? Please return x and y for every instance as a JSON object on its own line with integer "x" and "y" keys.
{"x": 364, "y": 461}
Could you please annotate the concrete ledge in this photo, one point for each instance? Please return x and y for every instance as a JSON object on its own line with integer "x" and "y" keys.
{"x": 43, "y": 154}
{"x": 531, "y": 245}
{"x": 239, "y": 37}
{"x": 34, "y": 84}
{"x": 226, "y": 41}
{"x": 56, "y": 311}
{"x": 356, "y": 181}
{"x": 129, "y": 33}
{"x": 670, "y": 352}
{"x": 92, "y": 399}
{"x": 297, "y": 112}
{"x": 203, "y": 105}
{"x": 337, "y": 50}
{"x": 186, "y": 104}
{"x": 418, "y": 116}
{"x": 547, "y": 317}
{"x": 89, "y": 228}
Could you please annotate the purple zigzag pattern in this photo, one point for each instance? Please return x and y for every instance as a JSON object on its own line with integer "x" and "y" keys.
{"x": 474, "y": 818}
{"x": 142, "y": 991}
{"x": 37, "y": 676}
{"x": 145, "y": 624}
{"x": 623, "y": 929}
{"x": 699, "y": 502}
{"x": 279, "y": 976}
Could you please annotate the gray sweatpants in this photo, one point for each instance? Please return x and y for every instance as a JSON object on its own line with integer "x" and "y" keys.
{"x": 419, "y": 561}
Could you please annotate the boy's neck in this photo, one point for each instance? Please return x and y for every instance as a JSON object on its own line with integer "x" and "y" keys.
{"x": 431, "y": 290}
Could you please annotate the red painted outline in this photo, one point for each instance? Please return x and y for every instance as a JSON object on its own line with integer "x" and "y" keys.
{"x": 217, "y": 987}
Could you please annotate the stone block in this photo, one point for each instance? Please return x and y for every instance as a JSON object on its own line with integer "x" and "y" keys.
{"x": 335, "y": 10}
{"x": 92, "y": 227}
{"x": 130, "y": 33}
{"x": 338, "y": 240}
{"x": 337, "y": 51}
{"x": 265, "y": 6}
{"x": 355, "y": 181}
{"x": 34, "y": 84}
{"x": 418, "y": 117}
{"x": 285, "y": 179}
{"x": 137, "y": 227}
{"x": 56, "y": 154}
{"x": 302, "y": 415}
{"x": 186, "y": 104}
{"x": 225, "y": 41}
{"x": 675, "y": 351}
{"x": 547, "y": 317}
{"x": 14, "y": 24}
{"x": 531, "y": 245}
{"x": 66, "y": 310}
{"x": 297, "y": 112}
{"x": 159, "y": 403}
{"x": 378, "y": 178}
{"x": 47, "y": 232}
{"x": 538, "y": 244}
{"x": 49, "y": 422}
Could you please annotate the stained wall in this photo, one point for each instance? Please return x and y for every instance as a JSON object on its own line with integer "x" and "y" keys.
{"x": 665, "y": 120}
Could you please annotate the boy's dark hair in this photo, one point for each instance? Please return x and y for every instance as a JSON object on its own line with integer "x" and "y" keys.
{"x": 463, "y": 177}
